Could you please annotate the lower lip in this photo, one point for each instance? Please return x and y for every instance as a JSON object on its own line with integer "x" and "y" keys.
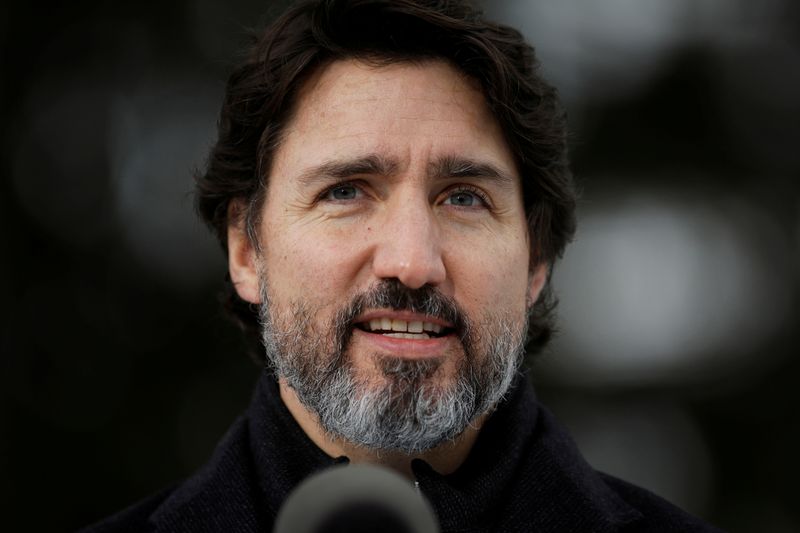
{"x": 407, "y": 348}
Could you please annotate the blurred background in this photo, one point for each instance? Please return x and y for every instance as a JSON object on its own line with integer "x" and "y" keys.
{"x": 676, "y": 365}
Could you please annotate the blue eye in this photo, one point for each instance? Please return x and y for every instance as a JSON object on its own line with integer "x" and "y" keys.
{"x": 342, "y": 192}
{"x": 463, "y": 199}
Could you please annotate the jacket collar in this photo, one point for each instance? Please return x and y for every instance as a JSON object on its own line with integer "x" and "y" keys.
{"x": 524, "y": 474}
{"x": 284, "y": 455}
{"x": 524, "y": 469}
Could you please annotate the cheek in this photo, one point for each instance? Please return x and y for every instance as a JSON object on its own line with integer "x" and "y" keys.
{"x": 493, "y": 273}
{"x": 309, "y": 265}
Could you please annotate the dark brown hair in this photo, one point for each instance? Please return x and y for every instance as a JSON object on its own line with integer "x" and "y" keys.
{"x": 260, "y": 95}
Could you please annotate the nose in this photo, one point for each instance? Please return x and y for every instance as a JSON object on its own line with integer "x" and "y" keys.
{"x": 409, "y": 247}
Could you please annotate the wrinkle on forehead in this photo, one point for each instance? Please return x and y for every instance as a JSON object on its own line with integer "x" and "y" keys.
{"x": 413, "y": 112}
{"x": 342, "y": 84}
{"x": 447, "y": 166}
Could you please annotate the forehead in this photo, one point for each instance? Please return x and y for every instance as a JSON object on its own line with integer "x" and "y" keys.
{"x": 407, "y": 112}
{"x": 345, "y": 85}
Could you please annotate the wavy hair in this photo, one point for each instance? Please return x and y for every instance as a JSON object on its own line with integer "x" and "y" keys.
{"x": 261, "y": 96}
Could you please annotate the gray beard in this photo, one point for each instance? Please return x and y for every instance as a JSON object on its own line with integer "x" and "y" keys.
{"x": 409, "y": 412}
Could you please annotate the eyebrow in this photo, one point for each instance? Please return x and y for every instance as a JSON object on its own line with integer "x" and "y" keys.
{"x": 450, "y": 166}
{"x": 342, "y": 169}
{"x": 460, "y": 167}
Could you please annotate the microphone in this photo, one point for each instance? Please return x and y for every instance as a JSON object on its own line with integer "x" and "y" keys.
{"x": 355, "y": 499}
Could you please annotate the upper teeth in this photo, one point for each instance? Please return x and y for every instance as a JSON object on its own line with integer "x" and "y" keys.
{"x": 412, "y": 326}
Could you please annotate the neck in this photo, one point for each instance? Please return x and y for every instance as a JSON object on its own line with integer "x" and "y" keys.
{"x": 445, "y": 458}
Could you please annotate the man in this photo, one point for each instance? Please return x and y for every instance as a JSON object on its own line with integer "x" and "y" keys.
{"x": 390, "y": 184}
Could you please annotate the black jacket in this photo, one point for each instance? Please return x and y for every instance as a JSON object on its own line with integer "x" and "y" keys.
{"x": 523, "y": 474}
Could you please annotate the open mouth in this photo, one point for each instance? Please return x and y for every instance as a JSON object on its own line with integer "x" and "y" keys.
{"x": 404, "y": 329}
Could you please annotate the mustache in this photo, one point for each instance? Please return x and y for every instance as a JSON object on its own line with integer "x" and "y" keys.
{"x": 392, "y": 294}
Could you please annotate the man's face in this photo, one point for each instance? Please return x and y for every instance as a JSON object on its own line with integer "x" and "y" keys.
{"x": 394, "y": 258}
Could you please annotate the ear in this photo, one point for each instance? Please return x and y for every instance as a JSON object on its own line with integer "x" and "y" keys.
{"x": 537, "y": 281}
{"x": 242, "y": 257}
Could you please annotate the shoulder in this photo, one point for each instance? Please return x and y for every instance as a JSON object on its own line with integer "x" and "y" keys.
{"x": 221, "y": 496}
{"x": 603, "y": 501}
{"x": 135, "y": 518}
{"x": 657, "y": 514}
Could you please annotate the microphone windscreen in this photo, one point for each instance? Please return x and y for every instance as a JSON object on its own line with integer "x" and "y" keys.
{"x": 355, "y": 499}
